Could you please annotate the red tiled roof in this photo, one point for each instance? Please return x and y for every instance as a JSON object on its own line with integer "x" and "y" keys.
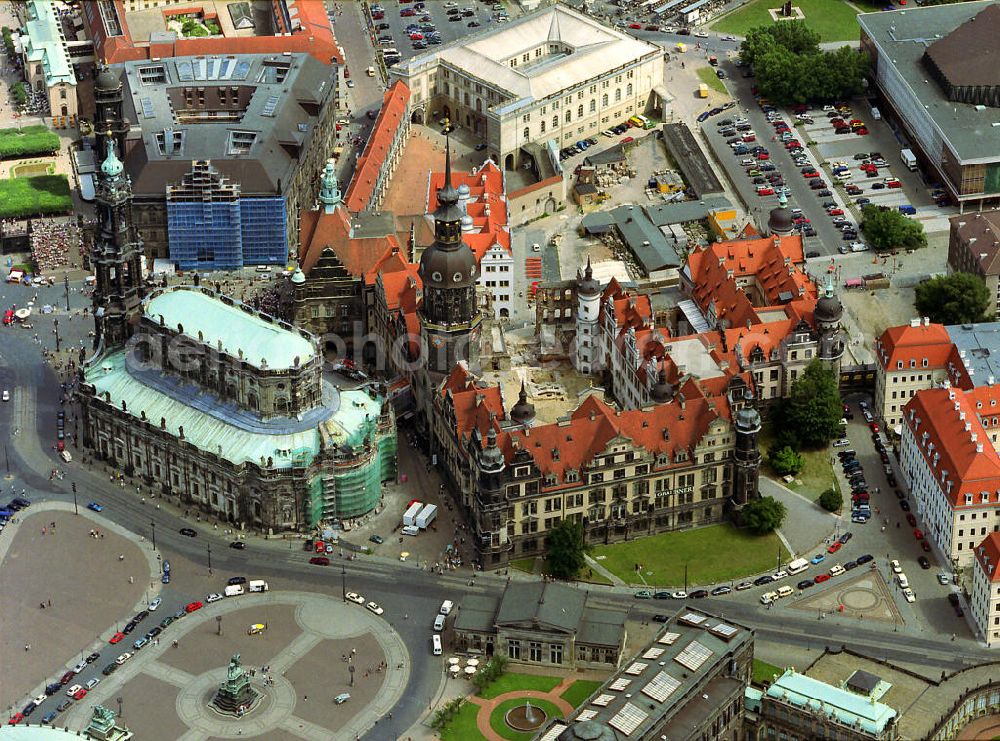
{"x": 988, "y": 556}
{"x": 314, "y": 36}
{"x": 715, "y": 270}
{"x": 391, "y": 116}
{"x": 487, "y": 205}
{"x": 557, "y": 448}
{"x": 320, "y": 230}
{"x": 916, "y": 343}
{"x": 476, "y": 405}
{"x": 940, "y": 412}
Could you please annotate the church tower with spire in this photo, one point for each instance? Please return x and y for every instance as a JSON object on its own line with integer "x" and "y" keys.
{"x": 329, "y": 190}
{"x": 588, "y": 309}
{"x": 449, "y": 313}
{"x": 109, "y": 118}
{"x": 116, "y": 256}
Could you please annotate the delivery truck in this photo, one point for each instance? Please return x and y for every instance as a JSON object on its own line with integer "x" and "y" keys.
{"x": 703, "y": 90}
{"x": 234, "y": 590}
{"x": 909, "y": 159}
{"x": 426, "y": 516}
{"x": 410, "y": 516}
{"x": 258, "y": 586}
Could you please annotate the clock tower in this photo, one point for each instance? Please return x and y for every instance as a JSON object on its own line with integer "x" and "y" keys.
{"x": 449, "y": 313}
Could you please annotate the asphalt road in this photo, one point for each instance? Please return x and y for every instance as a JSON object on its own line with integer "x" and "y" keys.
{"x": 400, "y": 588}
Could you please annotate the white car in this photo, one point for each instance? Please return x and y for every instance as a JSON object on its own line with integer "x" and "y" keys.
{"x": 6, "y": 395}
{"x": 73, "y": 690}
{"x": 943, "y": 579}
{"x": 91, "y": 683}
{"x": 778, "y": 575}
{"x": 729, "y": 37}
{"x": 896, "y": 568}
{"x": 214, "y": 597}
{"x": 40, "y": 699}
{"x": 681, "y": 594}
{"x": 374, "y": 607}
{"x": 909, "y": 595}
{"x": 355, "y": 598}
{"x": 842, "y": 443}
{"x": 155, "y": 604}
{"x": 123, "y": 658}
{"x": 81, "y": 665}
{"x": 700, "y": 34}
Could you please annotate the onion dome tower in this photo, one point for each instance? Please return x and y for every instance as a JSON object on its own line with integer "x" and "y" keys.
{"x": 780, "y": 223}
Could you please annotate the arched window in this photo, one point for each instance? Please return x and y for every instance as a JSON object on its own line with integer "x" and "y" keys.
{"x": 555, "y": 122}
{"x": 527, "y": 133}
{"x": 618, "y": 94}
{"x": 604, "y": 100}
{"x": 579, "y": 111}
{"x": 628, "y": 89}
{"x": 569, "y": 116}
{"x": 543, "y": 127}
{"x": 593, "y": 105}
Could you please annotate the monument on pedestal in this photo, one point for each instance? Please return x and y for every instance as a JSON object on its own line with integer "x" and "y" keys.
{"x": 235, "y": 695}
{"x": 102, "y": 727}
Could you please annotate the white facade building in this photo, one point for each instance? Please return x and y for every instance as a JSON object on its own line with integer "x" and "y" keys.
{"x": 553, "y": 76}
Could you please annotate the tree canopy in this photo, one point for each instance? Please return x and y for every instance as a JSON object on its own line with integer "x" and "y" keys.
{"x": 566, "y": 549}
{"x": 763, "y": 515}
{"x": 791, "y": 68}
{"x": 831, "y": 500}
{"x": 889, "y": 229}
{"x": 813, "y": 408}
{"x": 959, "y": 298}
{"x": 785, "y": 461}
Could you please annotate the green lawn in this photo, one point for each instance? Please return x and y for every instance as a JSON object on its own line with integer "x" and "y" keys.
{"x": 579, "y": 691}
{"x": 34, "y": 196}
{"x": 512, "y": 682}
{"x": 833, "y": 20}
{"x": 463, "y": 726}
{"x": 707, "y": 75}
{"x": 498, "y": 724}
{"x": 527, "y": 565}
{"x": 764, "y": 672}
{"x": 27, "y": 141}
{"x": 816, "y": 476}
{"x": 713, "y": 554}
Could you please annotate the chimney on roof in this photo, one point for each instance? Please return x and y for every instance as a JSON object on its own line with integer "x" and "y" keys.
{"x": 915, "y": 322}
{"x": 927, "y": 321}
{"x": 979, "y": 447}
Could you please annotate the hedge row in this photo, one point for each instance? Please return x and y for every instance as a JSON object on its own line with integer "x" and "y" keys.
{"x": 41, "y": 195}
{"x": 28, "y": 142}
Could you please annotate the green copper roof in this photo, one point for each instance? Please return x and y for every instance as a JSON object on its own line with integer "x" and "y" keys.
{"x": 44, "y": 44}
{"x": 112, "y": 167}
{"x": 203, "y": 430}
{"x": 261, "y": 341}
{"x": 844, "y": 705}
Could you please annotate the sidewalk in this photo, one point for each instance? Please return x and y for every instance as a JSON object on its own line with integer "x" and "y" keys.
{"x": 806, "y": 524}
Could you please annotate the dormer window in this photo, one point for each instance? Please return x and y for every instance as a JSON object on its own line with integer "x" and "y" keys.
{"x": 550, "y": 479}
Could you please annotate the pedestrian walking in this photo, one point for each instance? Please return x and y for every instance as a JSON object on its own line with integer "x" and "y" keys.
{"x": 50, "y": 603}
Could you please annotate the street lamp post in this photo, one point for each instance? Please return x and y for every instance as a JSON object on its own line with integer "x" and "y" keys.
{"x": 56, "y": 330}
{"x": 76, "y": 508}
{"x": 209, "y": 559}
{"x": 350, "y": 669}
{"x": 218, "y": 624}
{"x": 152, "y": 526}
{"x": 119, "y": 707}
{"x": 343, "y": 582}
{"x": 66, "y": 289}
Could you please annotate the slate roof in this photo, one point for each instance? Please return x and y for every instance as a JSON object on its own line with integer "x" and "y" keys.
{"x": 546, "y": 604}
{"x": 952, "y": 58}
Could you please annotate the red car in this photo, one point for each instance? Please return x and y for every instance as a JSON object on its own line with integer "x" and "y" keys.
{"x": 628, "y": 140}
{"x": 8, "y": 317}
{"x": 834, "y": 547}
{"x": 765, "y": 191}
{"x": 636, "y": 26}
{"x": 793, "y": 144}
{"x": 80, "y": 694}
{"x": 192, "y": 606}
{"x": 893, "y": 184}
{"x": 763, "y": 156}
{"x": 874, "y": 426}
{"x": 116, "y": 637}
{"x": 15, "y": 719}
{"x": 810, "y": 174}
{"x": 862, "y": 131}
{"x": 911, "y": 519}
{"x": 64, "y": 680}
{"x": 820, "y": 578}
{"x": 319, "y": 561}
{"x": 926, "y": 546}
{"x": 416, "y": 36}
{"x": 835, "y": 212}
{"x": 749, "y": 138}
{"x": 918, "y": 533}
{"x": 320, "y": 546}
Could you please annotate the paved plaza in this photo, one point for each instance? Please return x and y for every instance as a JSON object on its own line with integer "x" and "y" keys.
{"x": 88, "y": 587}
{"x": 165, "y": 689}
{"x": 865, "y": 596}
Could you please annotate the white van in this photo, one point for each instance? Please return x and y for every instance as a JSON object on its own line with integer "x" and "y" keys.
{"x": 903, "y": 581}
{"x": 410, "y": 530}
{"x": 768, "y": 597}
{"x": 439, "y": 622}
{"x": 837, "y": 570}
{"x": 446, "y": 607}
{"x": 234, "y": 590}
{"x": 785, "y": 591}
{"x": 258, "y": 586}
{"x": 798, "y": 566}
{"x": 436, "y": 644}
